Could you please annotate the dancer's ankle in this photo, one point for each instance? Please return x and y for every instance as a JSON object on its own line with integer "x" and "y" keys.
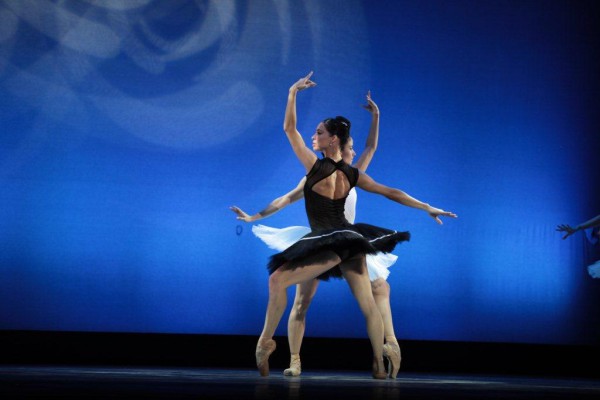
{"x": 263, "y": 339}
{"x": 391, "y": 339}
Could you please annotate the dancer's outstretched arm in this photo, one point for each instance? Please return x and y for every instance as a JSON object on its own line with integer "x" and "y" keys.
{"x": 276, "y": 205}
{"x": 367, "y": 183}
{"x": 584, "y": 225}
{"x": 373, "y": 138}
{"x": 306, "y": 156}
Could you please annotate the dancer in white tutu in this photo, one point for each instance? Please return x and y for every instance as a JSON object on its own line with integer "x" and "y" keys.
{"x": 334, "y": 247}
{"x": 377, "y": 264}
{"x": 593, "y": 269}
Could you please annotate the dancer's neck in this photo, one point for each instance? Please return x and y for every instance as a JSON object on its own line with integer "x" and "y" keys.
{"x": 334, "y": 154}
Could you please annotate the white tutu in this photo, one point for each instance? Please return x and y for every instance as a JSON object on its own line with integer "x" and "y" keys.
{"x": 280, "y": 239}
{"x": 378, "y": 265}
{"x": 594, "y": 269}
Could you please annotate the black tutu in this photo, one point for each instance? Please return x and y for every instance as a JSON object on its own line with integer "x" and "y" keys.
{"x": 346, "y": 242}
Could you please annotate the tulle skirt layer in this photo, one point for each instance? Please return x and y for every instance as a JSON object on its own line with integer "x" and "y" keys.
{"x": 280, "y": 239}
{"x": 299, "y": 246}
{"x": 594, "y": 269}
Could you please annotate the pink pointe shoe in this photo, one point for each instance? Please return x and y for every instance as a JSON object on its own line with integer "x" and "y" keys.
{"x": 295, "y": 368}
{"x": 379, "y": 370}
{"x": 264, "y": 348}
{"x": 391, "y": 351}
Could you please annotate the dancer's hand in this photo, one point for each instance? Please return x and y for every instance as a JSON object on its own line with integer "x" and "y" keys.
{"x": 566, "y": 228}
{"x": 436, "y": 213}
{"x": 371, "y": 106}
{"x": 303, "y": 83}
{"x": 241, "y": 215}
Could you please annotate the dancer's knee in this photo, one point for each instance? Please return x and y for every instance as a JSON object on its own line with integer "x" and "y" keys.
{"x": 380, "y": 287}
{"x": 276, "y": 282}
{"x": 301, "y": 306}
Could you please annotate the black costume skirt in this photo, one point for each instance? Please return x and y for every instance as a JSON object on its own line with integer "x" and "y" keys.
{"x": 346, "y": 242}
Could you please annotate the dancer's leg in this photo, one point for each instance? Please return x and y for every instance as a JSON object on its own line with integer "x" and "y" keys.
{"x": 355, "y": 273}
{"x": 305, "y": 292}
{"x": 391, "y": 349}
{"x": 381, "y": 294}
{"x": 279, "y": 281}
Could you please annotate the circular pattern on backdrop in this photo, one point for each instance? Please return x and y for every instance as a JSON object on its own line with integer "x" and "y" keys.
{"x": 179, "y": 75}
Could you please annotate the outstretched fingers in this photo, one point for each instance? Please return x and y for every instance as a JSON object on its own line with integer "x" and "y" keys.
{"x": 565, "y": 228}
{"x": 305, "y": 83}
{"x": 240, "y": 214}
{"x": 449, "y": 214}
{"x": 436, "y": 215}
{"x": 370, "y": 106}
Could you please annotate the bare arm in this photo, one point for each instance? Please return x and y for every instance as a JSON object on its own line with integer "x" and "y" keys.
{"x": 367, "y": 183}
{"x": 373, "y": 138}
{"x": 276, "y": 205}
{"x": 304, "y": 154}
{"x": 591, "y": 223}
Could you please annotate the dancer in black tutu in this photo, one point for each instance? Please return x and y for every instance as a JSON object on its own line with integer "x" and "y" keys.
{"x": 334, "y": 247}
{"x": 378, "y": 265}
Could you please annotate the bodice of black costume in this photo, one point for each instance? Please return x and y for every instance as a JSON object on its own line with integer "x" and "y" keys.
{"x": 323, "y": 212}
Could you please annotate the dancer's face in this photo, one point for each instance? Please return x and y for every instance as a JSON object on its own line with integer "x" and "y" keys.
{"x": 348, "y": 153}
{"x": 321, "y": 138}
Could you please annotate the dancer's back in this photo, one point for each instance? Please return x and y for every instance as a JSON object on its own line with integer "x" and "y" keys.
{"x": 325, "y": 191}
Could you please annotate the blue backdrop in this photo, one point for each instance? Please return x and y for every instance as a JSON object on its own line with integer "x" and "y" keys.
{"x": 129, "y": 128}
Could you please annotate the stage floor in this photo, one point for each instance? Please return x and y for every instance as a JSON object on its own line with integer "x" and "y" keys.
{"x": 151, "y": 382}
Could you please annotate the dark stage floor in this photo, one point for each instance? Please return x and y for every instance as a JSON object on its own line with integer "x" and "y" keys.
{"x": 21, "y": 381}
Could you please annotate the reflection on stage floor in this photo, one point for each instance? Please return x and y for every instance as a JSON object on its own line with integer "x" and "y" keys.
{"x": 19, "y": 381}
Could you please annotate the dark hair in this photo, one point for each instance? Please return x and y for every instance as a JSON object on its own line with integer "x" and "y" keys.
{"x": 340, "y": 127}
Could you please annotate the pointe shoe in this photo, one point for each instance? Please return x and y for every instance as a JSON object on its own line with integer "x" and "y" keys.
{"x": 264, "y": 348}
{"x": 379, "y": 373}
{"x": 391, "y": 351}
{"x": 295, "y": 368}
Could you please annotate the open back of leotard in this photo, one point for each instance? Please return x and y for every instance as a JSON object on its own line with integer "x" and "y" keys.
{"x": 324, "y": 212}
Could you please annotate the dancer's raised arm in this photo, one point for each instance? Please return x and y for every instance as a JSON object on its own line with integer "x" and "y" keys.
{"x": 276, "y": 205}
{"x": 373, "y": 138}
{"x": 367, "y": 183}
{"x": 304, "y": 154}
